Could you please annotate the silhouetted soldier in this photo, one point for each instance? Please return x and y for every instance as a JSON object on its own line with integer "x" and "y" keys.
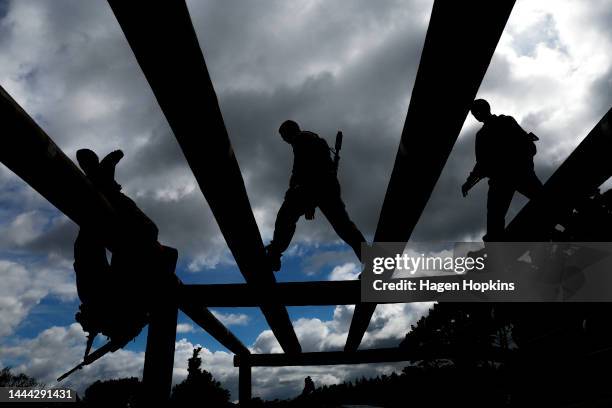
{"x": 117, "y": 297}
{"x": 504, "y": 154}
{"x": 313, "y": 184}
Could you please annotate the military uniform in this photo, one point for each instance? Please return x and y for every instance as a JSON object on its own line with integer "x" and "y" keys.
{"x": 313, "y": 184}
{"x": 116, "y": 297}
{"x": 504, "y": 154}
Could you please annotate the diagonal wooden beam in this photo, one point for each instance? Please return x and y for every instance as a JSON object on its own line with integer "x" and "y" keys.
{"x": 588, "y": 167}
{"x": 460, "y": 41}
{"x": 164, "y": 42}
{"x": 207, "y": 321}
{"x": 31, "y": 154}
{"x": 369, "y": 356}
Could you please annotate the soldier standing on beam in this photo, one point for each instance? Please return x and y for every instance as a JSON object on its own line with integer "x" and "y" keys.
{"x": 314, "y": 183}
{"x": 504, "y": 154}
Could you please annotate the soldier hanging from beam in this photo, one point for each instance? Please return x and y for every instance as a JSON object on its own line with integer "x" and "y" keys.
{"x": 117, "y": 297}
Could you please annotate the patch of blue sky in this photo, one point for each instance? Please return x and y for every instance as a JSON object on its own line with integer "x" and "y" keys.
{"x": 50, "y": 311}
{"x": 53, "y": 311}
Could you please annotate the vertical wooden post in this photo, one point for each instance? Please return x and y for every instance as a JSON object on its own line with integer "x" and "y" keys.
{"x": 244, "y": 383}
{"x": 159, "y": 355}
{"x": 161, "y": 338}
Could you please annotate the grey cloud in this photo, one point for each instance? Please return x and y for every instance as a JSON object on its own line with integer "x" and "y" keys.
{"x": 602, "y": 90}
{"x": 544, "y": 30}
{"x": 335, "y": 65}
{"x": 24, "y": 285}
{"x": 323, "y": 102}
{"x": 315, "y": 262}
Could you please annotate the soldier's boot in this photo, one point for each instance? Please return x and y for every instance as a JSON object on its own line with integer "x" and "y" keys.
{"x": 273, "y": 258}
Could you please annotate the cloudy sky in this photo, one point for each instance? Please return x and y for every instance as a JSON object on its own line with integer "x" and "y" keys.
{"x": 346, "y": 65}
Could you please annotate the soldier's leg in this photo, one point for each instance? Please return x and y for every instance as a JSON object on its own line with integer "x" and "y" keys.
{"x": 334, "y": 210}
{"x": 530, "y": 185}
{"x": 286, "y": 220}
{"x": 498, "y": 202}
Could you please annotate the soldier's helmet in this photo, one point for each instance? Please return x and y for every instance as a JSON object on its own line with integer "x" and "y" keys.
{"x": 480, "y": 109}
{"x": 288, "y": 130}
{"x": 289, "y": 127}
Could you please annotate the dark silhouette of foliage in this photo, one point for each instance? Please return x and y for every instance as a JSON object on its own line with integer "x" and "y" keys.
{"x": 459, "y": 333}
{"x": 199, "y": 388}
{"x": 548, "y": 354}
{"x": 309, "y": 386}
{"x": 122, "y": 392}
{"x": 8, "y": 379}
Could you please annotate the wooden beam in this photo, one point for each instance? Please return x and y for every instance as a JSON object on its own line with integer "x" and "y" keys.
{"x": 164, "y": 42}
{"x": 31, "y": 154}
{"x": 159, "y": 354}
{"x": 314, "y": 293}
{"x": 207, "y": 321}
{"x": 244, "y": 385}
{"x": 371, "y": 356}
{"x": 586, "y": 168}
{"x": 284, "y": 293}
{"x": 459, "y": 44}
{"x": 385, "y": 355}
{"x": 161, "y": 338}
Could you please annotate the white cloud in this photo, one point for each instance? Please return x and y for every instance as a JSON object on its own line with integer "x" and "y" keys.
{"x": 57, "y": 349}
{"x": 388, "y": 326}
{"x": 331, "y": 65}
{"x": 554, "y": 52}
{"x": 231, "y": 319}
{"x": 22, "y": 229}
{"x": 25, "y": 285}
{"x": 347, "y": 271}
{"x": 328, "y": 64}
{"x": 184, "y": 328}
{"x": 285, "y": 382}
{"x": 391, "y": 322}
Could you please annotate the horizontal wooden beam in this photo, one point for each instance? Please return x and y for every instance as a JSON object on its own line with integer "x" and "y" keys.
{"x": 313, "y": 293}
{"x": 284, "y": 293}
{"x": 166, "y": 47}
{"x": 386, "y": 355}
{"x": 371, "y": 356}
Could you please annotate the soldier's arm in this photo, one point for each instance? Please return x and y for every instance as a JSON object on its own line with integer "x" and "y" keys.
{"x": 292, "y": 181}
{"x": 477, "y": 172}
{"x": 473, "y": 178}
